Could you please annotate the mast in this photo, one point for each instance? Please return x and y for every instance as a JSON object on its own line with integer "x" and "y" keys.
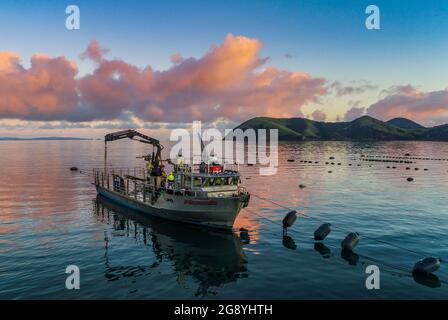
{"x": 105, "y": 157}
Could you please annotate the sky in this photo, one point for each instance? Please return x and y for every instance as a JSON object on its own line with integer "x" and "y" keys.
{"x": 158, "y": 65}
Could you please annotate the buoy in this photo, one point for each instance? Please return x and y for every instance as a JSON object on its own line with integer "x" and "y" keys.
{"x": 250, "y": 164}
{"x": 331, "y": 158}
{"x": 322, "y": 232}
{"x": 407, "y": 168}
{"x": 351, "y": 257}
{"x": 289, "y": 219}
{"x": 244, "y": 235}
{"x": 290, "y": 160}
{"x": 416, "y": 169}
{"x": 407, "y": 154}
{"x": 350, "y": 241}
{"x": 289, "y": 243}
{"x": 301, "y": 186}
{"x": 425, "y": 169}
{"x": 410, "y": 179}
{"x": 324, "y": 251}
{"x": 73, "y": 169}
{"x": 330, "y": 171}
{"x": 339, "y": 163}
{"x": 428, "y": 280}
{"x": 427, "y": 265}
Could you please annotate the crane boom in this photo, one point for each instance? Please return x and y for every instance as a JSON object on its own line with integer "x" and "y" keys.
{"x": 137, "y": 136}
{"x": 131, "y": 134}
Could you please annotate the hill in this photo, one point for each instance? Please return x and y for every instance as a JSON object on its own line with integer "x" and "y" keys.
{"x": 364, "y": 128}
{"x": 404, "y": 123}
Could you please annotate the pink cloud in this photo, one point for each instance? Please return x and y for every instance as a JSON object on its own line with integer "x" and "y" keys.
{"x": 430, "y": 108}
{"x": 354, "y": 113}
{"x": 319, "y": 115}
{"x": 46, "y": 90}
{"x": 227, "y": 82}
{"x": 94, "y": 52}
{"x": 177, "y": 58}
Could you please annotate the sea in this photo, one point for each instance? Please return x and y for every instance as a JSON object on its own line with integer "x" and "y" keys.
{"x": 51, "y": 218}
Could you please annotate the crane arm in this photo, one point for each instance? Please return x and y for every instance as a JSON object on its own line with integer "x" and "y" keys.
{"x": 134, "y": 135}
{"x": 137, "y": 136}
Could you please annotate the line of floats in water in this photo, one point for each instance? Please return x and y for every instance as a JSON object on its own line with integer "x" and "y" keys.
{"x": 422, "y": 268}
{"x": 422, "y": 271}
{"x": 426, "y": 265}
{"x": 376, "y": 158}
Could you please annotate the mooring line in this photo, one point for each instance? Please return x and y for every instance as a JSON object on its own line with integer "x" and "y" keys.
{"x": 419, "y": 253}
{"x": 407, "y": 272}
{"x": 400, "y": 268}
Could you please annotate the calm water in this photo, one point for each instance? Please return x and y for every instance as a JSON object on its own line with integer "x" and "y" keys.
{"x": 50, "y": 218}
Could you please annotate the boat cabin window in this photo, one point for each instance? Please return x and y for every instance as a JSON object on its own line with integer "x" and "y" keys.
{"x": 220, "y": 181}
{"x": 197, "y": 182}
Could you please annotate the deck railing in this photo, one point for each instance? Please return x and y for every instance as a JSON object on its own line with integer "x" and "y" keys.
{"x": 134, "y": 182}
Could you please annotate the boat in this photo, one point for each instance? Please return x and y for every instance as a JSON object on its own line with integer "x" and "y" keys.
{"x": 190, "y": 250}
{"x": 208, "y": 194}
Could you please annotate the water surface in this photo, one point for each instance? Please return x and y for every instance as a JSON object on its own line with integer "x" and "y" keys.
{"x": 51, "y": 217}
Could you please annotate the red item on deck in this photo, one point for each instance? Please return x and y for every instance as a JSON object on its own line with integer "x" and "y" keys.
{"x": 215, "y": 169}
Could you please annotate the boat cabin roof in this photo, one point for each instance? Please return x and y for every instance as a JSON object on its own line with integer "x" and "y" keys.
{"x": 224, "y": 174}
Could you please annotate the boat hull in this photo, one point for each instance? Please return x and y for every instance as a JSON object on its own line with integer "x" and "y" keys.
{"x": 210, "y": 212}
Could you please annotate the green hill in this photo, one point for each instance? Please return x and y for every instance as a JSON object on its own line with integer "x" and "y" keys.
{"x": 404, "y": 123}
{"x": 364, "y": 128}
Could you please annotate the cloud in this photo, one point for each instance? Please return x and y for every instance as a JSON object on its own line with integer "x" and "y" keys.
{"x": 319, "y": 115}
{"x": 358, "y": 87}
{"x": 46, "y": 90}
{"x": 430, "y": 108}
{"x": 354, "y": 113}
{"x": 177, "y": 58}
{"x": 230, "y": 81}
{"x": 94, "y": 52}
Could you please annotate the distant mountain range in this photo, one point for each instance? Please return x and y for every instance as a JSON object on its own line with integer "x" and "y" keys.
{"x": 40, "y": 138}
{"x": 364, "y": 128}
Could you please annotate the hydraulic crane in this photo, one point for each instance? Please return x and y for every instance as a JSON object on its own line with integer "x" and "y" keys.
{"x": 137, "y": 136}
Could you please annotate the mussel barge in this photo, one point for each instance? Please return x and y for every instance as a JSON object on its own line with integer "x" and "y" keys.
{"x": 208, "y": 194}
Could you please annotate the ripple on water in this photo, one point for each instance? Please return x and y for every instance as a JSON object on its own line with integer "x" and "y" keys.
{"x": 50, "y": 218}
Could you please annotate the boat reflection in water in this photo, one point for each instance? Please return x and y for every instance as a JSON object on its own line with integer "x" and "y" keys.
{"x": 212, "y": 258}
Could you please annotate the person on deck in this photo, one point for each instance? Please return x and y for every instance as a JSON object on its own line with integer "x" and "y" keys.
{"x": 157, "y": 174}
{"x": 163, "y": 183}
{"x": 170, "y": 180}
{"x": 149, "y": 166}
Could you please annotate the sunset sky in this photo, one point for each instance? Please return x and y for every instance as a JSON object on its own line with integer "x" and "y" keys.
{"x": 159, "y": 65}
